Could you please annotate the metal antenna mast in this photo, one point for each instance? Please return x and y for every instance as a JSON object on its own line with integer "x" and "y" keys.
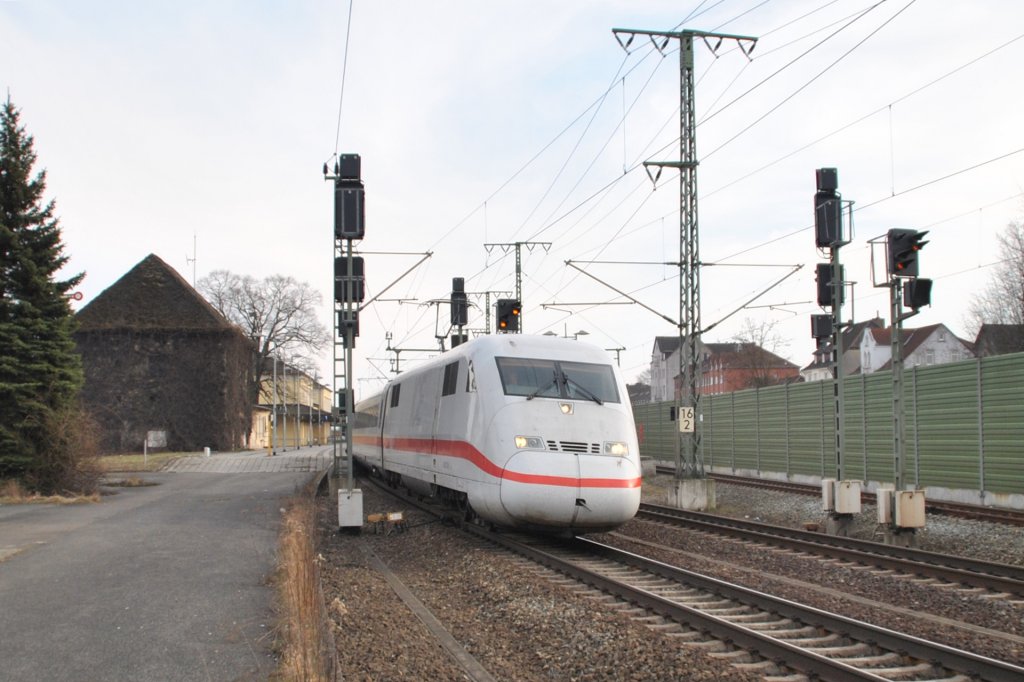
{"x": 688, "y": 401}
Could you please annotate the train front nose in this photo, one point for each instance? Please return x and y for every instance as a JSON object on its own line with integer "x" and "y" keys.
{"x": 563, "y": 489}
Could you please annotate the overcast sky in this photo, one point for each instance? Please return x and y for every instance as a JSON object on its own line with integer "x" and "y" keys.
{"x": 163, "y": 125}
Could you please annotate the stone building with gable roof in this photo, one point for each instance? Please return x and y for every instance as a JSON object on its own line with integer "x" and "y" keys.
{"x": 158, "y": 357}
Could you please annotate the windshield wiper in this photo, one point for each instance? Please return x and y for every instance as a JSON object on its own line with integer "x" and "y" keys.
{"x": 553, "y": 382}
{"x": 579, "y": 387}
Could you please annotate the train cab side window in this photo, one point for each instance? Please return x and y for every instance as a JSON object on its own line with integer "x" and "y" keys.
{"x": 395, "y": 392}
{"x": 451, "y": 377}
{"x": 470, "y": 378}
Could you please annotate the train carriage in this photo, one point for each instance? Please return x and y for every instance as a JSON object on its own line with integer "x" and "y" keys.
{"x": 529, "y": 432}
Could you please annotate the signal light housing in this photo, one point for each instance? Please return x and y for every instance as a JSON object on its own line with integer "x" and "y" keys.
{"x": 349, "y": 287}
{"x": 828, "y": 208}
{"x": 902, "y": 247}
{"x": 348, "y": 320}
{"x": 349, "y": 199}
{"x": 821, "y": 326}
{"x": 828, "y": 217}
{"x": 826, "y": 179}
{"x": 917, "y": 293}
{"x": 459, "y": 302}
{"x": 823, "y": 276}
{"x": 508, "y": 310}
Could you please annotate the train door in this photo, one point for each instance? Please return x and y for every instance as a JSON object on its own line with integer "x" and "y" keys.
{"x": 385, "y": 398}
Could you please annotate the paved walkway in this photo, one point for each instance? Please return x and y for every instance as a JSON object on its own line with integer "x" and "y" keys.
{"x": 316, "y": 458}
{"x": 165, "y": 582}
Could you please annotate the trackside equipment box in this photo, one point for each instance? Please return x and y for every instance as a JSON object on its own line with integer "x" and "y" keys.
{"x": 350, "y": 508}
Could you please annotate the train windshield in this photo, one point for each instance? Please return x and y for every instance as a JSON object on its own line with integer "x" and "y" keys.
{"x": 536, "y": 378}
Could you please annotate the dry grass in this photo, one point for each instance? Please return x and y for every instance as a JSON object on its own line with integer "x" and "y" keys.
{"x": 151, "y": 462}
{"x": 307, "y": 642}
{"x": 12, "y": 492}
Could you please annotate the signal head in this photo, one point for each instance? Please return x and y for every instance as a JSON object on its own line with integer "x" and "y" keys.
{"x": 902, "y": 247}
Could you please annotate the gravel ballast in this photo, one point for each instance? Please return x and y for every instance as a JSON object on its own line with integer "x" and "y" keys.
{"x": 519, "y": 625}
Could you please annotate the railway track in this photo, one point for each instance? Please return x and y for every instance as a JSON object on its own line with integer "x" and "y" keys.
{"x": 1002, "y": 581}
{"x": 967, "y": 511}
{"x": 754, "y": 630}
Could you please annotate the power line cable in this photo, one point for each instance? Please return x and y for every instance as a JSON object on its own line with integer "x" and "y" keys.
{"x": 739, "y": 16}
{"x": 866, "y": 116}
{"x": 878, "y": 201}
{"x": 528, "y": 163}
{"x": 808, "y": 83}
{"x": 650, "y": 50}
{"x": 572, "y": 153}
{"x": 547, "y": 221}
{"x": 855, "y": 16}
{"x": 344, "y": 69}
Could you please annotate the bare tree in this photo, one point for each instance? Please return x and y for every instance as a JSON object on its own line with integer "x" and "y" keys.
{"x": 1002, "y": 301}
{"x": 759, "y": 348}
{"x": 277, "y": 313}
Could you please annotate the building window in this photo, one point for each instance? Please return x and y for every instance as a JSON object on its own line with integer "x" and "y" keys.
{"x": 929, "y": 357}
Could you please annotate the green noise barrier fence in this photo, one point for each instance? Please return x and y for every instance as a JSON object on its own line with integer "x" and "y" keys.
{"x": 964, "y": 426}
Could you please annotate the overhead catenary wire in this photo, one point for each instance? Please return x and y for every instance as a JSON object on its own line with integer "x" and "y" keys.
{"x": 561, "y": 226}
{"x": 650, "y": 50}
{"x": 550, "y": 224}
{"x": 858, "y": 120}
{"x": 591, "y": 196}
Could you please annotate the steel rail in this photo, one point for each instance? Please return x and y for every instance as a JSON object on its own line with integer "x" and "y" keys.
{"x": 952, "y": 568}
{"x": 791, "y": 656}
{"x": 762, "y": 644}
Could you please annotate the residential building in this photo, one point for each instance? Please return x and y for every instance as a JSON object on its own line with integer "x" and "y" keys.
{"x": 821, "y": 366}
{"x": 731, "y": 367}
{"x": 664, "y": 368}
{"x": 999, "y": 339}
{"x": 639, "y": 393}
{"x": 931, "y": 345}
{"x": 725, "y": 367}
{"x": 302, "y": 406}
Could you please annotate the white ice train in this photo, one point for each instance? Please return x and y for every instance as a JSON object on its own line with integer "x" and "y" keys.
{"x": 529, "y": 432}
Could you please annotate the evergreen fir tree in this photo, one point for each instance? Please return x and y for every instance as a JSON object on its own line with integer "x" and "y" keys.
{"x": 40, "y": 371}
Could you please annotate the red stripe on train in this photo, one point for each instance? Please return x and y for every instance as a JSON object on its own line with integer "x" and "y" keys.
{"x": 466, "y": 451}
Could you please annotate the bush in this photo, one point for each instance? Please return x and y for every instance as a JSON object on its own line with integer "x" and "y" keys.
{"x": 68, "y": 461}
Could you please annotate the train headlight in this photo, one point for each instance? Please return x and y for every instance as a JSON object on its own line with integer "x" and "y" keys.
{"x": 616, "y": 448}
{"x": 531, "y": 442}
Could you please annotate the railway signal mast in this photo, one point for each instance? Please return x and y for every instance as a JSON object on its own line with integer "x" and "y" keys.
{"x": 349, "y": 291}
{"x": 840, "y": 496}
{"x": 693, "y": 489}
{"x": 902, "y": 511}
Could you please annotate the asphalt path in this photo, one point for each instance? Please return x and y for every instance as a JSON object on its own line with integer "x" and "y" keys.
{"x": 165, "y": 582}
